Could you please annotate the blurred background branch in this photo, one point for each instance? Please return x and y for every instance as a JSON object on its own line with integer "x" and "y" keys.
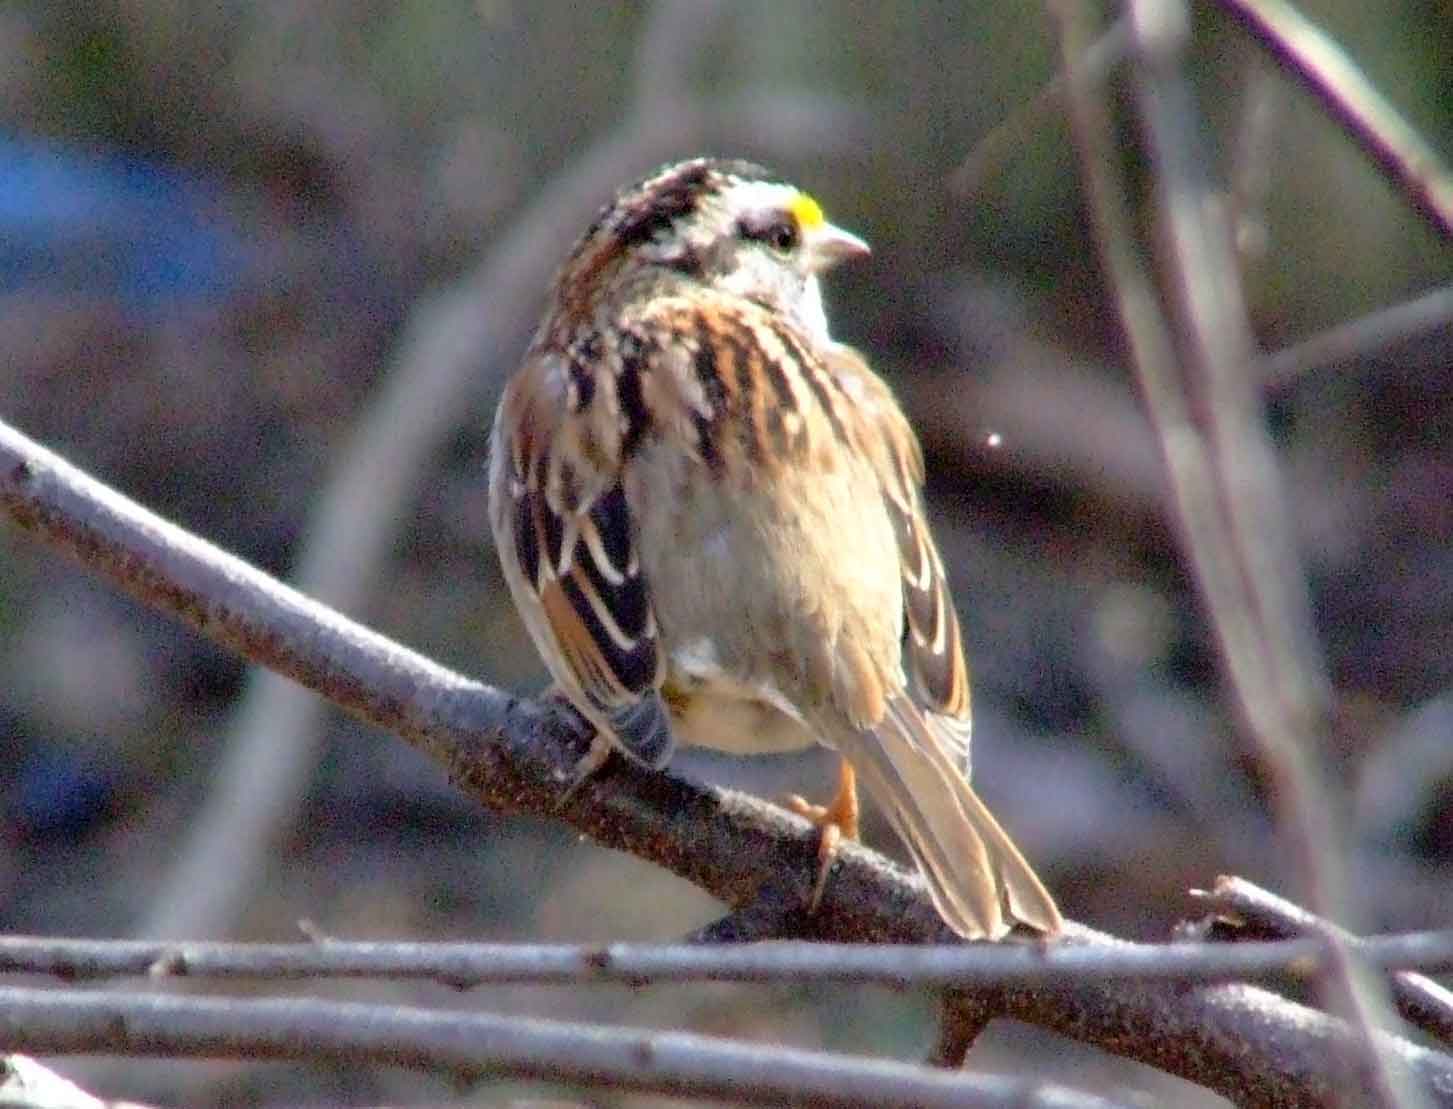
{"x": 1232, "y": 511}
{"x": 1200, "y": 387}
{"x": 1309, "y": 53}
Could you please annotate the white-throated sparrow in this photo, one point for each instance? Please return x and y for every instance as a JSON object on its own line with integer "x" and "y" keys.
{"x": 709, "y": 514}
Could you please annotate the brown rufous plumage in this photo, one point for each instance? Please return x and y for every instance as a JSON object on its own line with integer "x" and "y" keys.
{"x": 710, "y": 516}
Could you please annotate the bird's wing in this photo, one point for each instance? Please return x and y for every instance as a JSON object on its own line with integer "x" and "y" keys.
{"x": 914, "y": 759}
{"x": 933, "y": 653}
{"x": 566, "y": 539}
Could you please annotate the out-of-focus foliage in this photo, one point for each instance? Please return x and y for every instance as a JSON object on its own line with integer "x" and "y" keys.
{"x": 215, "y": 220}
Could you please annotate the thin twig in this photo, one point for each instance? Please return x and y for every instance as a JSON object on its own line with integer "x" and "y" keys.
{"x": 1368, "y": 335}
{"x": 517, "y": 756}
{"x": 1367, "y": 116}
{"x": 475, "y": 1046}
{"x": 466, "y": 965}
{"x": 1419, "y": 1000}
{"x": 1240, "y": 547}
{"x": 1221, "y": 497}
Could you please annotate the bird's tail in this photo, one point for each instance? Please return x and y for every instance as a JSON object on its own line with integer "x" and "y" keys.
{"x": 979, "y": 881}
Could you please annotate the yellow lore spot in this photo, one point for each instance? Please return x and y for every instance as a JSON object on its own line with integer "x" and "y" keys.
{"x": 806, "y": 211}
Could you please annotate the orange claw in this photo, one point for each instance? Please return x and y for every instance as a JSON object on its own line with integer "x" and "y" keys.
{"x": 835, "y": 822}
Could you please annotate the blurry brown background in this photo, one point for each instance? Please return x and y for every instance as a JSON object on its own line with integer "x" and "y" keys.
{"x": 232, "y": 233}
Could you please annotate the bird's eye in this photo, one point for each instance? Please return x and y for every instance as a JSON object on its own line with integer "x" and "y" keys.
{"x": 782, "y": 235}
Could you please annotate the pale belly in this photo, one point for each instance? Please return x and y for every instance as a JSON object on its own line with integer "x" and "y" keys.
{"x": 710, "y": 709}
{"x": 756, "y": 588}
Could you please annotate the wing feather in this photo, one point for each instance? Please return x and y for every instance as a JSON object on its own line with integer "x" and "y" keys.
{"x": 564, "y": 530}
{"x": 933, "y": 654}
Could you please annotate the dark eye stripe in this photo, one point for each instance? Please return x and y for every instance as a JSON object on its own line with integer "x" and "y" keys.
{"x": 779, "y": 232}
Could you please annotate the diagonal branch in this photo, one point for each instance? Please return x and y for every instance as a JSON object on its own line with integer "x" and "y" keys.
{"x": 1367, "y": 336}
{"x": 1368, "y": 117}
{"x": 515, "y": 755}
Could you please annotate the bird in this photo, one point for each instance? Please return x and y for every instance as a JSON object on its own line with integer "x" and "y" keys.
{"x": 710, "y": 517}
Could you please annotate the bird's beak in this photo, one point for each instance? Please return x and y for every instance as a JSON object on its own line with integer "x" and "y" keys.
{"x": 828, "y": 245}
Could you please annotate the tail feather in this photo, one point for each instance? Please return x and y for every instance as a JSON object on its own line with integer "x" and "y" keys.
{"x": 960, "y": 879}
{"x": 979, "y": 881}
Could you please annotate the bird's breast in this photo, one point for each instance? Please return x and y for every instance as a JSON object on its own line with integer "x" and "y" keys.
{"x": 765, "y": 591}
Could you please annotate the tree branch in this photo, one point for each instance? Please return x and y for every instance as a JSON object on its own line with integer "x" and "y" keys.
{"x": 1351, "y": 99}
{"x": 474, "y": 1046}
{"x": 969, "y": 966}
{"x": 1365, "y": 336}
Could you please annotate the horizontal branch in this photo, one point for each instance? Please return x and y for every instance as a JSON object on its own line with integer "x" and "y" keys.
{"x": 474, "y": 1046}
{"x": 466, "y": 965}
{"x": 518, "y": 756}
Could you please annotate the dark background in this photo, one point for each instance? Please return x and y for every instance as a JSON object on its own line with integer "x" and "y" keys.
{"x": 233, "y": 235}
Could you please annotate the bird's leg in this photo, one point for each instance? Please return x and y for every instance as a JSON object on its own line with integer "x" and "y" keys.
{"x": 592, "y": 760}
{"x": 835, "y": 822}
{"x": 586, "y": 768}
{"x": 588, "y": 764}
